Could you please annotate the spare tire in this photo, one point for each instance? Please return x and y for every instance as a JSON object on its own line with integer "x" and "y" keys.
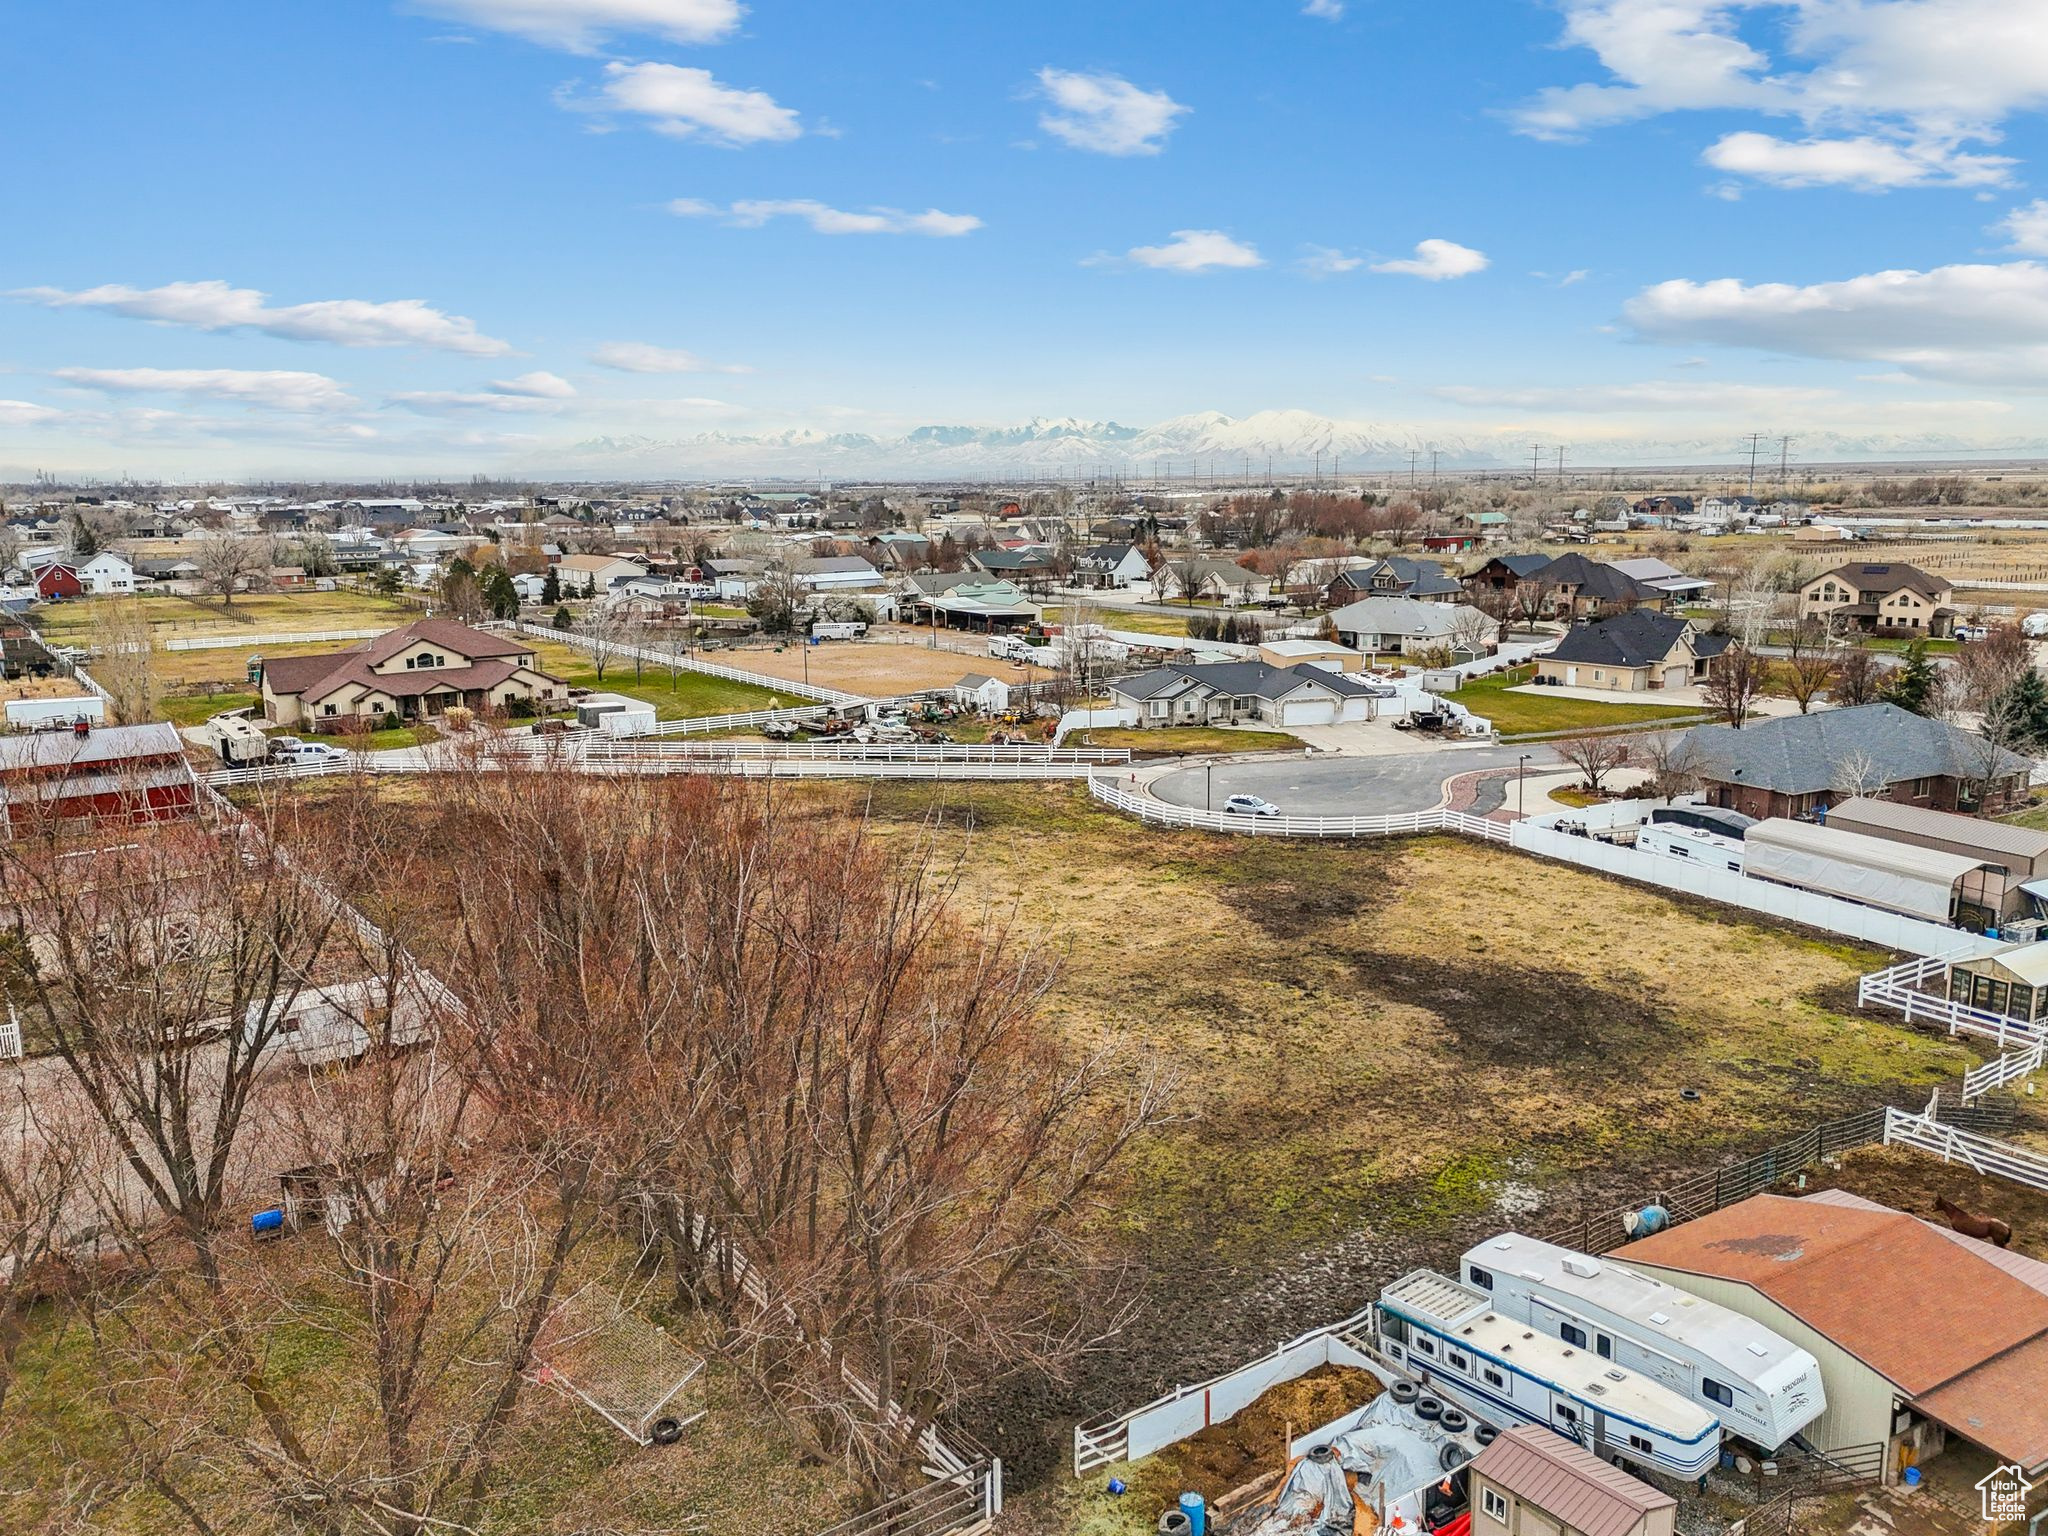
{"x": 1484, "y": 1434}
{"x": 666, "y": 1431}
{"x": 1429, "y": 1408}
{"x": 1454, "y": 1420}
{"x": 1404, "y": 1392}
{"x": 1452, "y": 1457}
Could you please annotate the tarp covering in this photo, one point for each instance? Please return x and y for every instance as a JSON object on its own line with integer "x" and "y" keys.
{"x": 1390, "y": 1453}
{"x": 1899, "y": 877}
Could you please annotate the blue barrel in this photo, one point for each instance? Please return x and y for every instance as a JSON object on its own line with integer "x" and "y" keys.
{"x": 268, "y": 1223}
{"x": 1192, "y": 1505}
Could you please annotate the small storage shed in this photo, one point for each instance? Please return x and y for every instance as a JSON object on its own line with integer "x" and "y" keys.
{"x": 990, "y": 695}
{"x": 2020, "y": 853}
{"x": 616, "y": 715}
{"x": 2012, "y": 981}
{"x": 1532, "y": 1481}
{"x": 1897, "y": 877}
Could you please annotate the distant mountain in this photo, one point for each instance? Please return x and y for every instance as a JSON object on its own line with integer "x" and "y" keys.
{"x": 1205, "y": 443}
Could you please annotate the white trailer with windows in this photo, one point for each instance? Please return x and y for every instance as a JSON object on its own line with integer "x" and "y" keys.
{"x": 1693, "y": 844}
{"x": 1505, "y": 1373}
{"x": 1763, "y": 1387}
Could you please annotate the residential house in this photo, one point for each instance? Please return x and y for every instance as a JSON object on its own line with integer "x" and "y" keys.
{"x": 835, "y": 573}
{"x": 1311, "y": 653}
{"x": 417, "y": 672}
{"x": 106, "y": 572}
{"x": 1025, "y": 564}
{"x": 1532, "y": 1481}
{"x": 1211, "y": 580}
{"x": 1632, "y": 652}
{"x": 1724, "y": 508}
{"x": 1923, "y": 1335}
{"x": 1797, "y": 764}
{"x": 58, "y": 580}
{"x": 1237, "y": 692}
{"x": 1888, "y": 599}
{"x": 1503, "y": 573}
{"x": 900, "y": 551}
{"x": 1577, "y": 587}
{"x": 1663, "y": 507}
{"x": 1395, "y": 576}
{"x": 121, "y": 773}
{"x": 1408, "y": 626}
{"x": 287, "y": 578}
{"x": 589, "y": 575}
{"x": 1110, "y": 567}
{"x": 172, "y": 575}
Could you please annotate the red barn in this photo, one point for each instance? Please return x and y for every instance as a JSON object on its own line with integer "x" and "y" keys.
{"x": 59, "y": 581}
{"x": 126, "y": 773}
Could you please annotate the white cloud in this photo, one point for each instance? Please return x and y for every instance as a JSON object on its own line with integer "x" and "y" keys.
{"x": 1323, "y": 261}
{"x": 275, "y": 388}
{"x": 581, "y": 25}
{"x": 641, "y": 357}
{"x": 690, "y": 104}
{"x": 450, "y": 402}
{"x": 1864, "y": 163}
{"x": 26, "y": 413}
{"x": 214, "y": 306}
{"x": 827, "y": 220}
{"x": 1574, "y": 277}
{"x": 538, "y": 385}
{"x": 1922, "y": 77}
{"x": 1436, "y": 261}
{"x": 2028, "y": 227}
{"x": 1651, "y": 395}
{"x": 1197, "y": 250}
{"x": 1326, "y": 10}
{"x": 1106, "y": 113}
{"x": 1972, "y": 322}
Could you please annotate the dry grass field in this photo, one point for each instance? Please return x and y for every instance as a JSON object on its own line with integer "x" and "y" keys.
{"x": 875, "y": 669}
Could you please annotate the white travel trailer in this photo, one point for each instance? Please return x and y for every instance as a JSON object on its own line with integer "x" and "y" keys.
{"x": 1505, "y": 1373}
{"x": 1764, "y": 1388}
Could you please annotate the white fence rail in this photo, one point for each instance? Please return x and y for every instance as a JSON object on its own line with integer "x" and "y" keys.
{"x": 12, "y": 1045}
{"x": 852, "y": 768}
{"x": 706, "y": 723}
{"x": 1159, "y": 813}
{"x": 639, "y": 749}
{"x": 243, "y": 642}
{"x": 1174, "y": 1416}
{"x": 1981, "y": 1154}
{"x": 689, "y": 664}
{"x": 2006, "y": 1070}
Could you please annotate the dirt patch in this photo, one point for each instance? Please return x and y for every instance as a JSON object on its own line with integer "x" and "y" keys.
{"x": 1523, "y": 1016}
{"x": 1289, "y": 896}
{"x": 876, "y": 669}
{"x": 1226, "y": 1456}
{"x": 1911, "y": 1181}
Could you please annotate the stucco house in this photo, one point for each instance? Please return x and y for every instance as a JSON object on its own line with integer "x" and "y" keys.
{"x": 1884, "y": 599}
{"x": 1632, "y": 652}
{"x": 417, "y": 672}
{"x": 1406, "y": 626}
{"x": 1241, "y": 692}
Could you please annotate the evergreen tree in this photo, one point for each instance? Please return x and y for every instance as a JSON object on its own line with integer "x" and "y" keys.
{"x": 2018, "y": 717}
{"x": 85, "y": 543}
{"x": 562, "y": 619}
{"x": 1912, "y": 686}
{"x": 551, "y": 588}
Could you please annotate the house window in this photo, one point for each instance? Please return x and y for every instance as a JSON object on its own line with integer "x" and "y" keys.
{"x": 1495, "y": 1506}
{"x": 326, "y": 709}
{"x": 1716, "y": 1393}
{"x": 1573, "y": 1335}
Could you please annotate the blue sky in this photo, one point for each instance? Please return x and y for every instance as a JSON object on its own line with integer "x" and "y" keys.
{"x": 359, "y": 237}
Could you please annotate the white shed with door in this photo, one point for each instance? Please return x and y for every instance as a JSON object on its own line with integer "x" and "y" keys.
{"x": 990, "y": 695}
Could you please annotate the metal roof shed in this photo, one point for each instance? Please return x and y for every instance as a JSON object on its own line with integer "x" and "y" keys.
{"x": 1898, "y": 877}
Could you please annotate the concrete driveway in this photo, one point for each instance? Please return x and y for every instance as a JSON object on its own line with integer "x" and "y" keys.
{"x": 1386, "y": 785}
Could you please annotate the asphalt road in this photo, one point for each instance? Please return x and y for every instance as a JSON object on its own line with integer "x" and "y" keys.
{"x": 1342, "y": 786}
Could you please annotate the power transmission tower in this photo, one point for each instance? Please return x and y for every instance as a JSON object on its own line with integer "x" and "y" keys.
{"x": 1560, "y": 464}
{"x": 1784, "y": 461}
{"x": 1535, "y": 461}
{"x": 1755, "y": 438}
{"x": 1412, "y": 457}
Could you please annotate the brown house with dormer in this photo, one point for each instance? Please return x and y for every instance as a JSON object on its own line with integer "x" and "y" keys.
{"x": 1887, "y": 599}
{"x": 417, "y": 672}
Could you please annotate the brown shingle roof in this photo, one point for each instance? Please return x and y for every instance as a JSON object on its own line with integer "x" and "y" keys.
{"x": 1884, "y": 1286}
{"x": 1564, "y": 1480}
{"x": 323, "y": 673}
{"x": 2002, "y": 1405}
{"x": 1888, "y": 576}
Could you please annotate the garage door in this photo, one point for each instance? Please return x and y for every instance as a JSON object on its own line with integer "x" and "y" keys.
{"x": 1309, "y": 712}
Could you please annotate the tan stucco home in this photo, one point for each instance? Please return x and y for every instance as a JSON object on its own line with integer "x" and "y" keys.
{"x": 416, "y": 672}
{"x": 1888, "y": 599}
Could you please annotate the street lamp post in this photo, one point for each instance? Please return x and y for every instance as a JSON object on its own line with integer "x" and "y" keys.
{"x": 1521, "y": 797}
{"x": 1208, "y": 782}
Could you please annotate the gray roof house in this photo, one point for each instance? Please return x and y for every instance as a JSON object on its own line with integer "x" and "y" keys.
{"x": 1239, "y": 692}
{"x": 1632, "y": 652}
{"x": 1405, "y": 625}
{"x": 1801, "y": 764}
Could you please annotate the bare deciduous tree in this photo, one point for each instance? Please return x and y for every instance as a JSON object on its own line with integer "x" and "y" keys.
{"x": 227, "y": 562}
{"x": 1810, "y": 664}
{"x": 1596, "y": 756}
{"x": 1859, "y": 678}
{"x": 1735, "y": 680}
{"x": 124, "y": 661}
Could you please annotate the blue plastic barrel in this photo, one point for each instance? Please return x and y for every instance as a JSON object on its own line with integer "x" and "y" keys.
{"x": 1192, "y": 1505}
{"x": 268, "y": 1223}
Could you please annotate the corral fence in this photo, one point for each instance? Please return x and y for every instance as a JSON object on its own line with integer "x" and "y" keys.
{"x": 1188, "y": 1410}
{"x": 243, "y": 642}
{"x": 751, "y": 718}
{"x": 639, "y": 749}
{"x": 1159, "y": 813}
{"x": 1709, "y": 1190}
{"x": 1939, "y": 1134}
{"x": 2005, "y": 1071}
{"x": 622, "y": 652}
{"x": 1899, "y": 988}
{"x": 960, "y": 1503}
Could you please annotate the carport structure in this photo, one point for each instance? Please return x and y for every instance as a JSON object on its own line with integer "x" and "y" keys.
{"x": 1920, "y": 882}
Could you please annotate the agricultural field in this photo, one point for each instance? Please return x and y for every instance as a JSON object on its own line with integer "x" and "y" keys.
{"x": 1148, "y": 621}
{"x": 1524, "y": 714}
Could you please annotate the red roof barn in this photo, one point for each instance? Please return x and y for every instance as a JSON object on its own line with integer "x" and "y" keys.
{"x": 59, "y": 581}
{"x": 131, "y": 773}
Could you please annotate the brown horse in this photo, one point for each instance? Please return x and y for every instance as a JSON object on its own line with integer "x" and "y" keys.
{"x": 1990, "y": 1228}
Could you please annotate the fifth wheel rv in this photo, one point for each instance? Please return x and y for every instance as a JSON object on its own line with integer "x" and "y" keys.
{"x": 1764, "y": 1388}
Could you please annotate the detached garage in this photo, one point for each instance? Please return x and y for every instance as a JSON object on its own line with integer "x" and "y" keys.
{"x": 1919, "y": 882}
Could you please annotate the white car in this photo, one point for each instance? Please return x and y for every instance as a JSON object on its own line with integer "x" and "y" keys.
{"x": 1250, "y": 805}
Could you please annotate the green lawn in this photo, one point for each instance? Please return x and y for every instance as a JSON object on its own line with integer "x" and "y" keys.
{"x": 1168, "y": 741}
{"x": 1150, "y": 622}
{"x": 198, "y": 708}
{"x": 685, "y": 697}
{"x": 1526, "y": 714}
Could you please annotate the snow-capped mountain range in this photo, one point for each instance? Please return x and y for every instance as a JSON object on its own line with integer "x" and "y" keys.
{"x": 1206, "y": 443}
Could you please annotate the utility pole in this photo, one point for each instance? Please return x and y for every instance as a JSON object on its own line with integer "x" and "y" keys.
{"x": 1560, "y": 464}
{"x": 1784, "y": 461}
{"x": 1755, "y": 438}
{"x": 1535, "y": 461}
{"x": 1412, "y": 457}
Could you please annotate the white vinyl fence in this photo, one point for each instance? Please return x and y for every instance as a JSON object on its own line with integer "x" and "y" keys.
{"x": 2002, "y": 1073}
{"x": 688, "y": 664}
{"x": 703, "y": 724}
{"x": 639, "y": 749}
{"x": 1900, "y": 988}
{"x": 242, "y": 642}
{"x": 1159, "y": 813}
{"x": 1981, "y": 1154}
